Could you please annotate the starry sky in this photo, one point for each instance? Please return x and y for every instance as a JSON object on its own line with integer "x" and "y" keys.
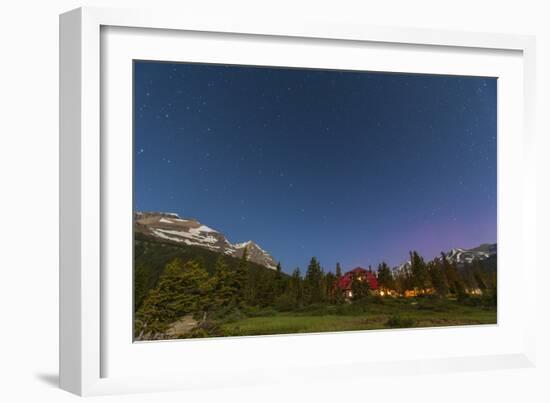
{"x": 350, "y": 167}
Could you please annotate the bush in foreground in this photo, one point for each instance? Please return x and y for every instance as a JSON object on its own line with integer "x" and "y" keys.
{"x": 397, "y": 321}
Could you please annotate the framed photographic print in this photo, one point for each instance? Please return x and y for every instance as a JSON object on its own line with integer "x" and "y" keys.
{"x": 243, "y": 196}
{"x": 328, "y": 173}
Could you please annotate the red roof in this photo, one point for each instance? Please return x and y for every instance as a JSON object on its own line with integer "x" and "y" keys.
{"x": 345, "y": 281}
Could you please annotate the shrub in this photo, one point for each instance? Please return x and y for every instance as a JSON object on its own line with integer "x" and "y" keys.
{"x": 397, "y": 321}
{"x": 233, "y": 316}
{"x": 315, "y": 309}
{"x": 490, "y": 297}
{"x": 433, "y": 304}
{"x": 255, "y": 311}
{"x": 355, "y": 308}
{"x": 473, "y": 301}
{"x": 362, "y": 303}
{"x": 285, "y": 303}
{"x": 229, "y": 311}
{"x": 372, "y": 299}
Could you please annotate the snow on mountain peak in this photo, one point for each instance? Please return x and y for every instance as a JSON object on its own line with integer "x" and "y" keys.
{"x": 460, "y": 256}
{"x": 241, "y": 245}
{"x": 171, "y": 227}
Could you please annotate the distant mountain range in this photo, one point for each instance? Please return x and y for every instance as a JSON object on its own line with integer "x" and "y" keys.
{"x": 189, "y": 231}
{"x": 461, "y": 257}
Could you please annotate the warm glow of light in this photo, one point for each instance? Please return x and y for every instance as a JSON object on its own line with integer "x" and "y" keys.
{"x": 382, "y": 293}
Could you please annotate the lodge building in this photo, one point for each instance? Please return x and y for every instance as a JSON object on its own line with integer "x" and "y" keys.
{"x": 345, "y": 283}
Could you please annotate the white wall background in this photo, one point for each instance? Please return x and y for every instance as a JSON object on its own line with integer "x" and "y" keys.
{"x": 29, "y": 201}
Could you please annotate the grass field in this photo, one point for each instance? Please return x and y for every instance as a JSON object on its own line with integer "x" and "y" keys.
{"x": 389, "y": 314}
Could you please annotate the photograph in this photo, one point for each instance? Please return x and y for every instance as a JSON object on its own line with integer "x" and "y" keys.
{"x": 272, "y": 200}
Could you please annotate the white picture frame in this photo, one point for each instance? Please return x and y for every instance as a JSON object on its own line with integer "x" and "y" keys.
{"x": 85, "y": 342}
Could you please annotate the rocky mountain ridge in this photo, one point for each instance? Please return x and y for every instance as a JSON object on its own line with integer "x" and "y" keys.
{"x": 461, "y": 256}
{"x": 189, "y": 231}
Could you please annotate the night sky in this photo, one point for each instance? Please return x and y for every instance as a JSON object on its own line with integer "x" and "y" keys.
{"x": 353, "y": 167}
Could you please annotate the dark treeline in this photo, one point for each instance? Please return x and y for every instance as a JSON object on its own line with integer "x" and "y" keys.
{"x": 186, "y": 287}
{"x": 442, "y": 278}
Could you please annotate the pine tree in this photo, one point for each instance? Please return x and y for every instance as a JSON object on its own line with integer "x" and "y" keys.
{"x": 183, "y": 288}
{"x": 295, "y": 287}
{"x": 324, "y": 294}
{"x": 468, "y": 279}
{"x": 241, "y": 279}
{"x": 265, "y": 288}
{"x": 279, "y": 281}
{"x": 480, "y": 278}
{"x": 438, "y": 279}
{"x": 420, "y": 275}
{"x": 226, "y": 285}
{"x": 251, "y": 291}
{"x": 140, "y": 286}
{"x": 313, "y": 292}
{"x": 403, "y": 280}
{"x": 453, "y": 279}
{"x": 359, "y": 287}
{"x": 338, "y": 271}
{"x": 339, "y": 294}
{"x": 330, "y": 287}
{"x": 385, "y": 278}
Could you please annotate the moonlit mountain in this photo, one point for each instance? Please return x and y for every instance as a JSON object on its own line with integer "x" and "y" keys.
{"x": 460, "y": 256}
{"x": 170, "y": 227}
